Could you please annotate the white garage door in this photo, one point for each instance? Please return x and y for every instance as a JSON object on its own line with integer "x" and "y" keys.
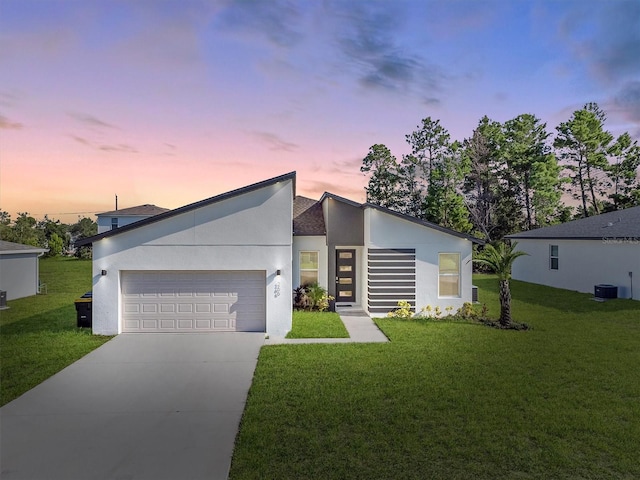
{"x": 193, "y": 301}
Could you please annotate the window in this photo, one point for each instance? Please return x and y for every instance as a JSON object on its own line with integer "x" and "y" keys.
{"x": 308, "y": 268}
{"x": 553, "y": 257}
{"x": 449, "y": 275}
{"x": 114, "y": 223}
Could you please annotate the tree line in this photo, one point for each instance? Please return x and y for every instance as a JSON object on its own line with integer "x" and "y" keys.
{"x": 58, "y": 237}
{"x": 507, "y": 177}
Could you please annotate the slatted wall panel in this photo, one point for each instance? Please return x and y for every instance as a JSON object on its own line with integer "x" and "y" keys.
{"x": 391, "y": 277}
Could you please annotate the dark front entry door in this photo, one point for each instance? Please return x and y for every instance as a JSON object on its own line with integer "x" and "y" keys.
{"x": 345, "y": 275}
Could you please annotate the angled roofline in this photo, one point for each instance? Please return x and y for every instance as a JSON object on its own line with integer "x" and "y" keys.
{"x": 518, "y": 236}
{"x": 425, "y": 223}
{"x": 625, "y": 225}
{"x": 192, "y": 206}
{"x": 340, "y": 199}
{"x": 403, "y": 216}
{"x": 125, "y": 212}
{"x": 13, "y": 248}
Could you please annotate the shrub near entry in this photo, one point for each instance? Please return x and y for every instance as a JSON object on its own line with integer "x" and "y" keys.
{"x": 311, "y": 297}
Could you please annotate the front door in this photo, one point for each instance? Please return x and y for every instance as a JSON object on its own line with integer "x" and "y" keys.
{"x": 345, "y": 275}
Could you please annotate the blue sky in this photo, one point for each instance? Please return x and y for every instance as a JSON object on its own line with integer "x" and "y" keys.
{"x": 170, "y": 102}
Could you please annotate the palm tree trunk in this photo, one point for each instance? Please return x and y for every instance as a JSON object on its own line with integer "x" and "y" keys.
{"x": 505, "y": 303}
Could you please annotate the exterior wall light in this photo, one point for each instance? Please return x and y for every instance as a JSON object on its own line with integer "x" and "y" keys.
{"x": 278, "y": 272}
{"x": 104, "y": 273}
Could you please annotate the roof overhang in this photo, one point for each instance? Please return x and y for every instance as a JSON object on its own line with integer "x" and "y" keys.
{"x": 22, "y": 252}
{"x": 187, "y": 208}
{"x": 409, "y": 218}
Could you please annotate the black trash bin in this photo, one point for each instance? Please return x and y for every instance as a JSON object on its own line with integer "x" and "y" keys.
{"x": 83, "y": 310}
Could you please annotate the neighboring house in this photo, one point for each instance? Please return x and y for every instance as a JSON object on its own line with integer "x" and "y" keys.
{"x": 230, "y": 262}
{"x": 119, "y": 218}
{"x": 19, "y": 269}
{"x": 578, "y": 255}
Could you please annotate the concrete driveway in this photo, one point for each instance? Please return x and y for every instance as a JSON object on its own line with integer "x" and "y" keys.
{"x": 142, "y": 406}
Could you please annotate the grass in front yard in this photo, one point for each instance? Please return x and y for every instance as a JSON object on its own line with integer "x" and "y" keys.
{"x": 317, "y": 325}
{"x": 447, "y": 400}
{"x": 38, "y": 334}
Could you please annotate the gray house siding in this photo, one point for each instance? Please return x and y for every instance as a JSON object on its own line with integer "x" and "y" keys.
{"x": 345, "y": 228}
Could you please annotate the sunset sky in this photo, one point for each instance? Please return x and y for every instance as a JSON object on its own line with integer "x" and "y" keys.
{"x": 171, "y": 102}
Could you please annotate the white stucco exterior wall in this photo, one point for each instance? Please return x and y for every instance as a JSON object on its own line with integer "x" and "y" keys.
{"x": 582, "y": 264}
{"x": 386, "y": 231}
{"x": 310, "y": 243}
{"x": 251, "y": 231}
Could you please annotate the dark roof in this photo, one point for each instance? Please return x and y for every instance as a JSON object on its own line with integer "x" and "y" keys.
{"x": 340, "y": 199}
{"x": 7, "y": 248}
{"x": 308, "y": 218}
{"x": 145, "y": 209}
{"x": 187, "y": 208}
{"x": 617, "y": 224}
{"x": 409, "y": 218}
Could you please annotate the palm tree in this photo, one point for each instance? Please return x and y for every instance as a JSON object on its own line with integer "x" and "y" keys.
{"x": 500, "y": 259}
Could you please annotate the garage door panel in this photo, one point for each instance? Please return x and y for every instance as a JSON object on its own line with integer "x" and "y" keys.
{"x": 149, "y": 308}
{"x": 150, "y": 323}
{"x": 168, "y": 323}
{"x": 193, "y": 301}
{"x": 220, "y": 308}
{"x": 184, "y": 323}
{"x": 130, "y": 325}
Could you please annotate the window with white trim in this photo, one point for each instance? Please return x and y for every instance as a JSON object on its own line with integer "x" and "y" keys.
{"x": 449, "y": 275}
{"x": 308, "y": 268}
{"x": 553, "y": 257}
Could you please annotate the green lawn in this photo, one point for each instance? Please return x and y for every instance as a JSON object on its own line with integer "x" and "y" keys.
{"x": 38, "y": 335}
{"x": 317, "y": 325}
{"x": 455, "y": 400}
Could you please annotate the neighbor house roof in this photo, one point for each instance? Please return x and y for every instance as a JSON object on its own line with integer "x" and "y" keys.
{"x": 409, "y": 218}
{"x": 145, "y": 209}
{"x": 187, "y": 208}
{"x": 618, "y": 224}
{"x": 11, "y": 248}
{"x": 308, "y": 218}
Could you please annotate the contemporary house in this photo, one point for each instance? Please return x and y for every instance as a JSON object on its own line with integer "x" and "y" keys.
{"x": 373, "y": 257}
{"x": 230, "y": 262}
{"x": 19, "y": 269}
{"x": 582, "y": 254}
{"x": 119, "y": 218}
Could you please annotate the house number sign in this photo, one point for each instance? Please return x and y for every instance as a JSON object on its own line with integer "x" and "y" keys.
{"x": 276, "y": 290}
